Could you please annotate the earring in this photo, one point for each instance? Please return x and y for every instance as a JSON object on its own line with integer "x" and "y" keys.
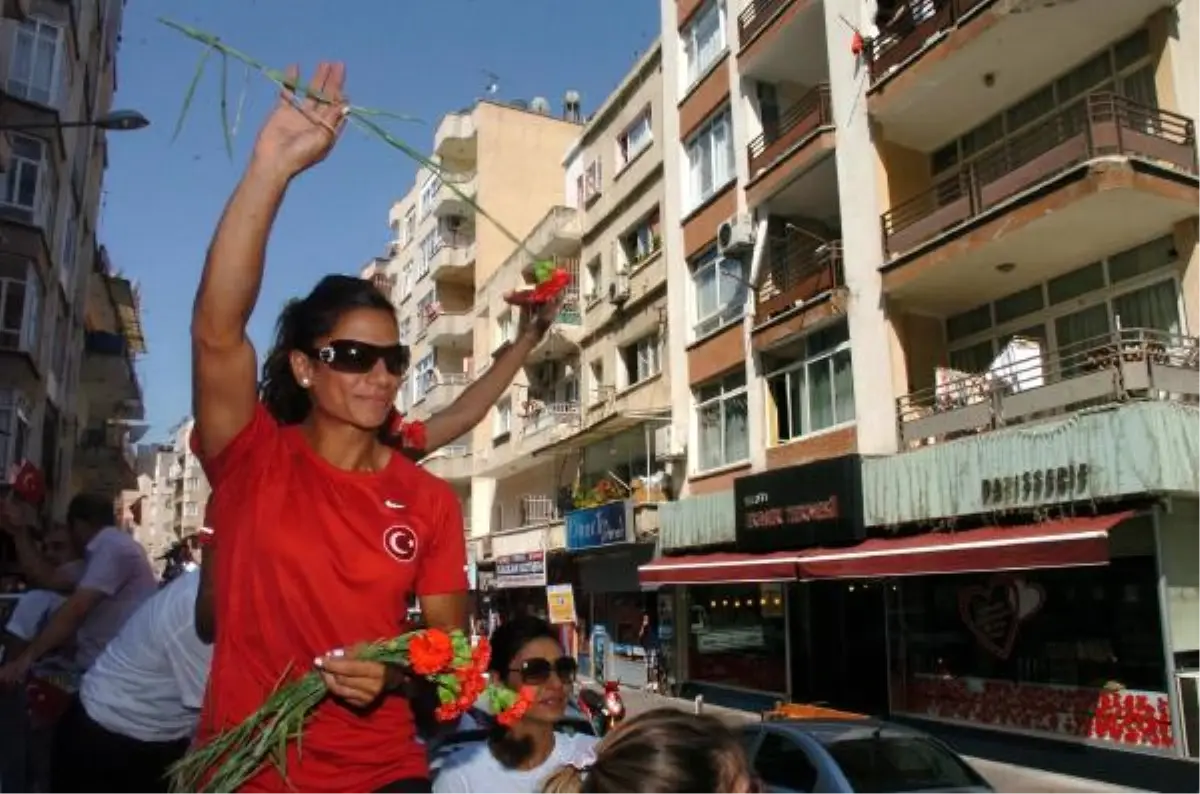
{"x": 304, "y": 382}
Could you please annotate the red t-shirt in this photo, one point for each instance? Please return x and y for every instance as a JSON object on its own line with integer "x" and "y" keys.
{"x": 314, "y": 558}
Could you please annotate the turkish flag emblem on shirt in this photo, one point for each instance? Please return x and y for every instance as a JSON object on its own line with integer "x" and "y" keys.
{"x": 29, "y": 483}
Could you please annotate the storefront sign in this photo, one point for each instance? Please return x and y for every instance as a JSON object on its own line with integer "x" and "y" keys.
{"x": 599, "y": 526}
{"x": 1059, "y": 484}
{"x": 521, "y": 570}
{"x": 1138, "y": 448}
{"x": 816, "y": 504}
{"x": 560, "y": 600}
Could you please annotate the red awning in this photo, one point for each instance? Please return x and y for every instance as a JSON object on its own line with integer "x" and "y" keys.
{"x": 702, "y": 568}
{"x": 1065, "y": 543}
{"x": 1054, "y": 544}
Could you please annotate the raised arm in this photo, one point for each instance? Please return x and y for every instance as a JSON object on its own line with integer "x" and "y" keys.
{"x": 472, "y": 406}
{"x": 298, "y": 134}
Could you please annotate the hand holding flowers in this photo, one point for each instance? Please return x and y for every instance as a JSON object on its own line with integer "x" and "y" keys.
{"x": 445, "y": 658}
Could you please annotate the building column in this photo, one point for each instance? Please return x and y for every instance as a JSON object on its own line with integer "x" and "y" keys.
{"x": 483, "y": 496}
{"x": 1186, "y": 235}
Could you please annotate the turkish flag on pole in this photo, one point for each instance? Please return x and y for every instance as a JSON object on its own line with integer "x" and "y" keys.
{"x": 28, "y": 482}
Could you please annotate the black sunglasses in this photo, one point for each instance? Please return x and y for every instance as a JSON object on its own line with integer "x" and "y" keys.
{"x": 358, "y": 358}
{"x": 537, "y": 671}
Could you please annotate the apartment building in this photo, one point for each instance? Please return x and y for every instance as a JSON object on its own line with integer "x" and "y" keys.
{"x": 507, "y": 158}
{"x": 576, "y": 459}
{"x": 173, "y": 489}
{"x": 936, "y": 280}
{"x": 57, "y": 69}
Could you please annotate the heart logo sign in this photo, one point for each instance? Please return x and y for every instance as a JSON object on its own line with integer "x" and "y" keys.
{"x": 994, "y": 612}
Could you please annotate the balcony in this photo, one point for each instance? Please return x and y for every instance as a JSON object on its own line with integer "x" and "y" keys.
{"x": 563, "y": 338}
{"x": 454, "y": 262}
{"x": 796, "y": 275}
{"x": 449, "y": 329}
{"x": 452, "y": 463}
{"x": 445, "y": 390}
{"x": 108, "y": 382}
{"x": 1102, "y": 175}
{"x": 798, "y": 126}
{"x": 557, "y": 234}
{"x": 1127, "y": 365}
{"x": 104, "y": 460}
{"x": 929, "y": 65}
{"x": 772, "y": 32}
{"x": 455, "y": 195}
{"x": 545, "y": 423}
{"x": 455, "y": 138}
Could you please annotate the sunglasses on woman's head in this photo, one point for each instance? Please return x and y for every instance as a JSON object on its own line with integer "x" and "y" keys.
{"x": 358, "y": 358}
{"x": 537, "y": 671}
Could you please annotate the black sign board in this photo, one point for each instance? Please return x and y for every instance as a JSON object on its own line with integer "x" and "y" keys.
{"x": 815, "y": 504}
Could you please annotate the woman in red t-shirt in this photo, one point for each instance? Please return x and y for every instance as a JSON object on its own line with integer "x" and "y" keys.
{"x": 324, "y": 530}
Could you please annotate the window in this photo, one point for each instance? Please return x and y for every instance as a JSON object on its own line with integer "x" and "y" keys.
{"x": 406, "y": 331}
{"x": 15, "y": 411}
{"x": 429, "y": 193}
{"x": 1070, "y": 314}
{"x": 430, "y": 245}
{"x": 636, "y": 137}
{"x": 723, "y": 434}
{"x": 642, "y": 241}
{"x": 406, "y": 280}
{"x": 37, "y": 69}
{"x": 720, "y": 291}
{"x": 589, "y": 183}
{"x": 784, "y": 766}
{"x": 703, "y": 42}
{"x": 642, "y": 359}
{"x": 710, "y": 160}
{"x": 410, "y": 225}
{"x": 424, "y": 376}
{"x": 20, "y": 306}
{"x": 814, "y": 388}
{"x": 505, "y": 331}
{"x": 502, "y": 419}
{"x": 738, "y": 634}
{"x": 70, "y": 248}
{"x": 593, "y": 283}
{"x": 26, "y": 189}
{"x": 599, "y": 389}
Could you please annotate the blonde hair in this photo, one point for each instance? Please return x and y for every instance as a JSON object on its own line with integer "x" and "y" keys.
{"x": 660, "y": 752}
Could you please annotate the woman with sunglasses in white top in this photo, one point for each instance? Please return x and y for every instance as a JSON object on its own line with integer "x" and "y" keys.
{"x": 526, "y": 652}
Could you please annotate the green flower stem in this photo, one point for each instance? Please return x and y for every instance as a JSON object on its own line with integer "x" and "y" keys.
{"x": 360, "y": 117}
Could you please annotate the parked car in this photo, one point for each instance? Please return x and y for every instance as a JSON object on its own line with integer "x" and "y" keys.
{"x": 854, "y": 755}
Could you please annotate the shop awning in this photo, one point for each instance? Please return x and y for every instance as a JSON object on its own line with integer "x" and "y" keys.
{"x": 704, "y": 568}
{"x": 1064, "y": 543}
{"x": 1054, "y": 544}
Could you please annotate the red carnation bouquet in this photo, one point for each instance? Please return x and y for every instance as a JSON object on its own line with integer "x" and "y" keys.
{"x": 446, "y": 659}
{"x": 549, "y": 280}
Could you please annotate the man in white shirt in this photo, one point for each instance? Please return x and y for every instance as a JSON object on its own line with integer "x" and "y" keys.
{"x": 116, "y": 579}
{"x": 139, "y": 703}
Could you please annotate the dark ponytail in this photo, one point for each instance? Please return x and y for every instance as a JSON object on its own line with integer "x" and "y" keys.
{"x": 507, "y": 641}
{"x": 301, "y": 323}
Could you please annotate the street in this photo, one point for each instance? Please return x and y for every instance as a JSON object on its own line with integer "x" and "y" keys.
{"x": 1004, "y": 777}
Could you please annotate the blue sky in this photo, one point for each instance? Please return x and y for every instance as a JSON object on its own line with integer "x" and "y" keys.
{"x": 162, "y": 198}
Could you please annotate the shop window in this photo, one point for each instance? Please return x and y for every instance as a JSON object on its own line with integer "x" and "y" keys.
{"x": 737, "y": 636}
{"x": 1075, "y": 651}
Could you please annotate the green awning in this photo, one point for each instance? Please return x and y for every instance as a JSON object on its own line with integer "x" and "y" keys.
{"x": 704, "y": 520}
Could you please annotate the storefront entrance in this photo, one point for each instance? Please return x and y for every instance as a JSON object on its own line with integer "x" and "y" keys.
{"x": 839, "y": 645}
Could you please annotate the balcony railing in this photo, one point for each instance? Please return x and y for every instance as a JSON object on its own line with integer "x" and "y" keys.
{"x": 801, "y": 121}
{"x": 540, "y": 416}
{"x": 1102, "y": 124}
{"x": 1123, "y": 365}
{"x": 757, "y": 15}
{"x": 536, "y": 510}
{"x": 916, "y": 23}
{"x": 799, "y": 274}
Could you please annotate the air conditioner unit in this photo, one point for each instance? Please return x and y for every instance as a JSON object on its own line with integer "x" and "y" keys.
{"x": 618, "y": 291}
{"x": 666, "y": 446}
{"x": 735, "y": 236}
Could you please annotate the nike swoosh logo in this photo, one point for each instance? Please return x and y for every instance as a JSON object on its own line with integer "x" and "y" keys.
{"x": 393, "y": 505}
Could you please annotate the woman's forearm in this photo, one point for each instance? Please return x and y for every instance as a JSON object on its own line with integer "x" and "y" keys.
{"x": 233, "y": 269}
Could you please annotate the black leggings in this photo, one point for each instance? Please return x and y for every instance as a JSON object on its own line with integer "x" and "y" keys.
{"x": 408, "y": 785}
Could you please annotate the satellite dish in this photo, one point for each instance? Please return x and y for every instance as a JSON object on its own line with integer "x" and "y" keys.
{"x": 539, "y": 104}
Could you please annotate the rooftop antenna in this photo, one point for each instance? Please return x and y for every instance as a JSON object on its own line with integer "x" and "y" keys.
{"x": 493, "y": 83}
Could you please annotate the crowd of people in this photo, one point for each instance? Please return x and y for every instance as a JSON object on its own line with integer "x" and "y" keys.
{"x": 323, "y": 531}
